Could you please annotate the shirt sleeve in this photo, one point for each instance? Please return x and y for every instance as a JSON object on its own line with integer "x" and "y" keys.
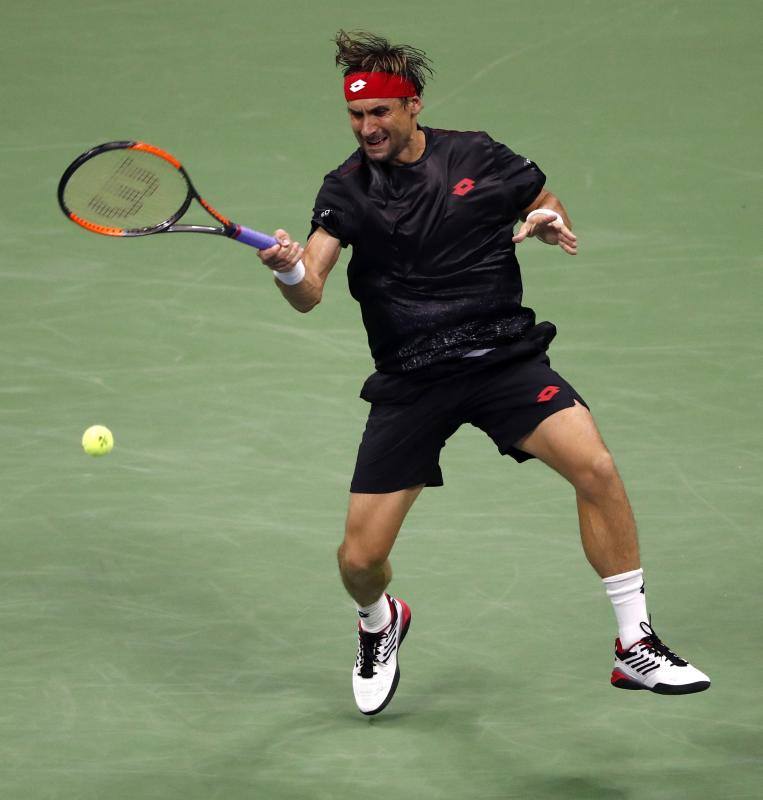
{"x": 522, "y": 179}
{"x": 332, "y": 211}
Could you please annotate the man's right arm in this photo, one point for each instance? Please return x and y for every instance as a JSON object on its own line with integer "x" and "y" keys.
{"x": 319, "y": 256}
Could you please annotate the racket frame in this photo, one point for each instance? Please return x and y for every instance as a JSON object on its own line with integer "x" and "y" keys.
{"x": 229, "y": 229}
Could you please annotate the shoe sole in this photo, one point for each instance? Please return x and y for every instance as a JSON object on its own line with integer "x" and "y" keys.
{"x": 396, "y": 679}
{"x": 621, "y": 681}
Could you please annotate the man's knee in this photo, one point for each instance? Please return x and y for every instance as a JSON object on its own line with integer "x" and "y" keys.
{"x": 353, "y": 558}
{"x": 360, "y": 551}
{"x": 597, "y": 476}
{"x": 373, "y": 522}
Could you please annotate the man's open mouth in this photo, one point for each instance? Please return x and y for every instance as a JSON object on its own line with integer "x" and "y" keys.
{"x": 376, "y": 142}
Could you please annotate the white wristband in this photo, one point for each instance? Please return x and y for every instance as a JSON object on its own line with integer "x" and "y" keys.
{"x": 292, "y": 276}
{"x": 546, "y": 211}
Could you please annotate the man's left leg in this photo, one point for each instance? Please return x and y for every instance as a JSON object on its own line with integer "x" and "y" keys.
{"x": 569, "y": 442}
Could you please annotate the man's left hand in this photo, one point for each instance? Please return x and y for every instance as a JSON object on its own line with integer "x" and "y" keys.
{"x": 548, "y": 229}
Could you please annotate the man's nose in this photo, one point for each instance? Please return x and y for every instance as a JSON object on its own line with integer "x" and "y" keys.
{"x": 368, "y": 127}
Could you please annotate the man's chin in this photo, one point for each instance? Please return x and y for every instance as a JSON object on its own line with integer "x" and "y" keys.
{"x": 374, "y": 155}
{"x": 383, "y": 153}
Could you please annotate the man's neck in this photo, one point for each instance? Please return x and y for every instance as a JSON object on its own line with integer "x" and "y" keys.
{"x": 413, "y": 151}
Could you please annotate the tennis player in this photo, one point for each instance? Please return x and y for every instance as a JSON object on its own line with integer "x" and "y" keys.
{"x": 430, "y": 217}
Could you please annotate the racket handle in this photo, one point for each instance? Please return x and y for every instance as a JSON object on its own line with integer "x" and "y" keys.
{"x": 253, "y": 238}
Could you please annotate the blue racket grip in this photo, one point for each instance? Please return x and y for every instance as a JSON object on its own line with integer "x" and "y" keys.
{"x": 253, "y": 238}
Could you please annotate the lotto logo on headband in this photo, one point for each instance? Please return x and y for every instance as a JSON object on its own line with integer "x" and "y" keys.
{"x": 365, "y": 85}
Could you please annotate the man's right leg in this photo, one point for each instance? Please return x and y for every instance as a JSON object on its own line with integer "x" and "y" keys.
{"x": 373, "y": 522}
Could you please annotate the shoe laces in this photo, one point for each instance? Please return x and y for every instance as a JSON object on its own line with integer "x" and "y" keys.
{"x": 368, "y": 651}
{"x": 654, "y": 643}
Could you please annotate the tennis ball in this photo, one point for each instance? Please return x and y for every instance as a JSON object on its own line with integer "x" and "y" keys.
{"x": 97, "y": 440}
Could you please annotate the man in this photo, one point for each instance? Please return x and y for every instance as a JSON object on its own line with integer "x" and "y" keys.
{"x": 430, "y": 217}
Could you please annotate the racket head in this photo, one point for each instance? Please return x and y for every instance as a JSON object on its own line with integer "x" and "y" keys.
{"x": 125, "y": 188}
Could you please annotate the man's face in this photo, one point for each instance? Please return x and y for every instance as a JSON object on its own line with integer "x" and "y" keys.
{"x": 384, "y": 127}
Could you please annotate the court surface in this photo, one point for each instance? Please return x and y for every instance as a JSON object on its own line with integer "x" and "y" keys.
{"x": 171, "y": 621}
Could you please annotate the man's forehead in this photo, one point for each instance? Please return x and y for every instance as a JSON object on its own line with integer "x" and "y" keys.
{"x": 371, "y": 103}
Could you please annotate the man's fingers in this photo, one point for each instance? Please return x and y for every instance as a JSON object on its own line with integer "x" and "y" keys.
{"x": 283, "y": 238}
{"x": 540, "y": 222}
{"x": 288, "y": 257}
{"x": 522, "y": 233}
{"x": 567, "y": 239}
{"x": 292, "y": 253}
{"x": 571, "y": 248}
{"x": 270, "y": 252}
{"x": 282, "y": 254}
{"x": 550, "y": 230}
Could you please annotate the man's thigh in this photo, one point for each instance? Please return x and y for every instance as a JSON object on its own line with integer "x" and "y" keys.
{"x": 373, "y": 522}
{"x": 568, "y": 441}
{"x": 510, "y": 402}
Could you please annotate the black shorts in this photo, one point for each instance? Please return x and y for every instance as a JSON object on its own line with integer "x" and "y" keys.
{"x": 410, "y": 420}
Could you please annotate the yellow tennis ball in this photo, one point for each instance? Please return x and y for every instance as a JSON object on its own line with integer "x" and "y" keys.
{"x": 97, "y": 440}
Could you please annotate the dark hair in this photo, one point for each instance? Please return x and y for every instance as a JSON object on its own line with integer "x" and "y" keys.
{"x": 360, "y": 51}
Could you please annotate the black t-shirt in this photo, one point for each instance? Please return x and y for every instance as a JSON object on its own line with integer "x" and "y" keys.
{"x": 433, "y": 264}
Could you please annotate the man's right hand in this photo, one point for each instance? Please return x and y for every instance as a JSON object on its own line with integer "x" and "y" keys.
{"x": 282, "y": 256}
{"x": 318, "y": 257}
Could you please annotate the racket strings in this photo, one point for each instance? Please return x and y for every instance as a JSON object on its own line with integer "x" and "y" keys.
{"x": 126, "y": 188}
{"x": 131, "y": 185}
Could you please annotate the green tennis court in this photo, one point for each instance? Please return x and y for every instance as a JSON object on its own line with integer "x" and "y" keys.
{"x": 172, "y": 624}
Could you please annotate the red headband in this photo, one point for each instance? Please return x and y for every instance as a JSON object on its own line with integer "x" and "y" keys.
{"x": 363, "y": 85}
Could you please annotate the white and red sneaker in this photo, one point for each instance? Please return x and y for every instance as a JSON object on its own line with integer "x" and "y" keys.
{"x": 376, "y": 671}
{"x": 650, "y": 664}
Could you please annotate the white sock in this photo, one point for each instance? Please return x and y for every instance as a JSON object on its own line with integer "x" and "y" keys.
{"x": 377, "y": 616}
{"x": 626, "y": 591}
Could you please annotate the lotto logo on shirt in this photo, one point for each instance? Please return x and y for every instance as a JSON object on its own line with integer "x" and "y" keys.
{"x": 464, "y": 186}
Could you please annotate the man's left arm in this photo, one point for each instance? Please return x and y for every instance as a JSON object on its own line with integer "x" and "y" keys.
{"x": 548, "y": 227}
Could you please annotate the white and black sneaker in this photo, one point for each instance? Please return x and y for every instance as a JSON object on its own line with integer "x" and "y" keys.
{"x": 650, "y": 664}
{"x": 376, "y": 671}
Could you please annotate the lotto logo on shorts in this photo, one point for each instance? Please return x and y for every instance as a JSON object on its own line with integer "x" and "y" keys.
{"x": 357, "y": 85}
{"x": 547, "y": 394}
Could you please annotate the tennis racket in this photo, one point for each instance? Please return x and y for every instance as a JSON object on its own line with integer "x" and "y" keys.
{"x": 136, "y": 189}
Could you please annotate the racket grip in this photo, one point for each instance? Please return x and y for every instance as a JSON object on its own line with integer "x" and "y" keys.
{"x": 253, "y": 238}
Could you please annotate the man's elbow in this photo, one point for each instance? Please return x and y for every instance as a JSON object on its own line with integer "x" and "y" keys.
{"x": 303, "y": 309}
